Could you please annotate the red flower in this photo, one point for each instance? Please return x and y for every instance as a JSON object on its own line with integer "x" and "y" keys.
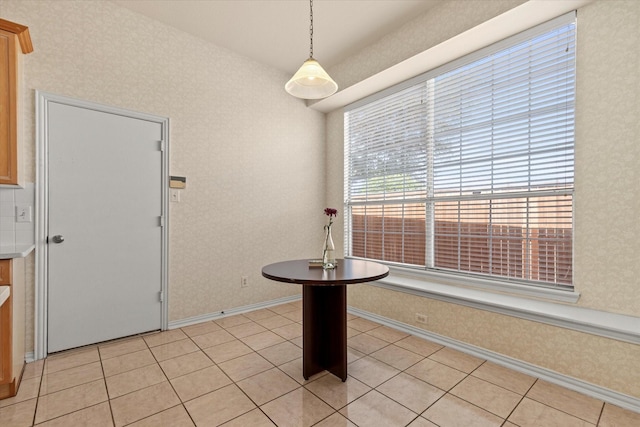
{"x": 330, "y": 212}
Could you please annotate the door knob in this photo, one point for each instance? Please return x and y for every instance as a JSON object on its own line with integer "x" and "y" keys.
{"x": 58, "y": 238}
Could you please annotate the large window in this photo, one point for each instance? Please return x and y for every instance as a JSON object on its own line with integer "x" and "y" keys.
{"x": 469, "y": 168}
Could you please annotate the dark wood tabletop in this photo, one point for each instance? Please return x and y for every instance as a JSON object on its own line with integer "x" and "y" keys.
{"x": 348, "y": 271}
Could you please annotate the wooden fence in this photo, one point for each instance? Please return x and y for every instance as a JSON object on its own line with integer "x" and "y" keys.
{"x": 544, "y": 254}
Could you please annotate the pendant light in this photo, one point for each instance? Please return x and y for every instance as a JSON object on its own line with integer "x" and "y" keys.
{"x": 311, "y": 81}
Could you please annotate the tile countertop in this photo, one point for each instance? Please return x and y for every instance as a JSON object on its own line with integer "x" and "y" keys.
{"x": 4, "y": 293}
{"x": 15, "y": 251}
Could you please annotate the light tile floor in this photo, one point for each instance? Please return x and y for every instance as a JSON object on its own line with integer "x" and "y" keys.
{"x": 246, "y": 370}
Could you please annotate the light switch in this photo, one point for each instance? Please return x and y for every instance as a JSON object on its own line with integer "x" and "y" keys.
{"x": 23, "y": 213}
{"x": 175, "y": 195}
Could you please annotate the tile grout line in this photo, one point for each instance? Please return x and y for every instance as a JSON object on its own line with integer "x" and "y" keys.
{"x": 61, "y": 390}
{"x": 225, "y": 374}
{"x": 446, "y": 392}
{"x": 35, "y": 411}
{"x": 163, "y": 372}
{"x": 252, "y": 401}
{"x": 106, "y": 388}
{"x": 375, "y": 388}
{"x": 563, "y": 411}
{"x": 169, "y": 381}
{"x": 299, "y": 385}
{"x": 388, "y": 379}
{"x": 520, "y": 401}
{"x": 259, "y": 407}
{"x": 600, "y": 414}
{"x": 418, "y": 379}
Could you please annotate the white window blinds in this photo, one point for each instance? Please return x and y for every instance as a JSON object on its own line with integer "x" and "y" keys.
{"x": 469, "y": 168}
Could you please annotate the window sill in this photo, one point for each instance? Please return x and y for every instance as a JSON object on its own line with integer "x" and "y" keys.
{"x": 493, "y": 286}
{"x": 610, "y": 325}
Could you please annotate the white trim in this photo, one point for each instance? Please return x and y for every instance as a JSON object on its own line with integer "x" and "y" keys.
{"x": 42, "y": 202}
{"x": 609, "y": 325}
{"x": 514, "y": 21}
{"x": 231, "y": 312}
{"x": 29, "y": 357}
{"x": 495, "y": 284}
{"x": 164, "y": 287}
{"x": 42, "y": 191}
{"x": 595, "y": 391}
{"x": 499, "y": 46}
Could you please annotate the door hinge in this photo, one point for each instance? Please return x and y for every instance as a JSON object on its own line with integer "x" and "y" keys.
{"x": 161, "y": 296}
{"x": 161, "y": 145}
{"x": 161, "y": 221}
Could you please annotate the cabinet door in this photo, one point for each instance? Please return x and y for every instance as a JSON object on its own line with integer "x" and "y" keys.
{"x": 5, "y": 271}
{"x": 5, "y": 326}
{"x": 8, "y": 109}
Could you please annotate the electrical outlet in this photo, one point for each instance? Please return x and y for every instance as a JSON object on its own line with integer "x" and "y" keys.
{"x": 244, "y": 281}
{"x": 421, "y": 318}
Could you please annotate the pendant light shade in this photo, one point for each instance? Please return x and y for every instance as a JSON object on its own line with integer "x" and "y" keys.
{"x": 311, "y": 81}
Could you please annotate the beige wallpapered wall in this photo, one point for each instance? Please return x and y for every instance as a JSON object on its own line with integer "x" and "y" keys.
{"x": 436, "y": 26}
{"x": 607, "y": 206}
{"x": 253, "y": 156}
{"x": 231, "y": 222}
{"x": 607, "y": 230}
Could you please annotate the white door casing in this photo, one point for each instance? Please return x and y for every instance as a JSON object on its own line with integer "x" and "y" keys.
{"x": 102, "y": 184}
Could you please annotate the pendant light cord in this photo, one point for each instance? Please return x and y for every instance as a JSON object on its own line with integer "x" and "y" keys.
{"x": 311, "y": 28}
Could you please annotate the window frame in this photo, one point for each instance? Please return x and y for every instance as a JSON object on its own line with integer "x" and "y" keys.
{"x": 500, "y": 283}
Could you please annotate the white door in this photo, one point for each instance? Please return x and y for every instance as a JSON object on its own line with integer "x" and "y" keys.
{"x": 104, "y": 221}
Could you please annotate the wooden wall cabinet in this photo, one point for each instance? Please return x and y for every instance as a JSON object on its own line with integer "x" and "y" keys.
{"x": 12, "y": 37}
{"x": 12, "y": 327}
{"x": 8, "y": 104}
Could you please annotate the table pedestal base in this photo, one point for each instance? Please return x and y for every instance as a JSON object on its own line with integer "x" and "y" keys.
{"x": 324, "y": 334}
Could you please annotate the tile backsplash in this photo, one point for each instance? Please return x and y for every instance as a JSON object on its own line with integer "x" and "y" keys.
{"x": 13, "y": 232}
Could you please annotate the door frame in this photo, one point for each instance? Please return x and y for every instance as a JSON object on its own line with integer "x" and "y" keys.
{"x": 43, "y": 99}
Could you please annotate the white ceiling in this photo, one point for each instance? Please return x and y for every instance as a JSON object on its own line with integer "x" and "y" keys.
{"x": 276, "y": 32}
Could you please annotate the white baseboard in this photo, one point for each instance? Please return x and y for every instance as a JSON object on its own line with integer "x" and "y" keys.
{"x": 230, "y": 312}
{"x": 595, "y": 391}
{"x": 30, "y": 356}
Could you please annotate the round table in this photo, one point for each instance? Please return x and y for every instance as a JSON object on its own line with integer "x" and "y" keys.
{"x": 324, "y": 308}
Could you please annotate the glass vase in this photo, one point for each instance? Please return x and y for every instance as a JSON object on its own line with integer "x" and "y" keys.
{"x": 328, "y": 252}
